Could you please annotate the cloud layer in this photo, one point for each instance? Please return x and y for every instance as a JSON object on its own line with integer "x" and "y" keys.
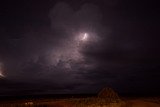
{"x": 122, "y": 49}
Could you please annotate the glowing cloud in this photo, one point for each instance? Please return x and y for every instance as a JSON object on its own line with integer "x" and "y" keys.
{"x": 1, "y": 75}
{"x": 1, "y": 71}
{"x": 85, "y": 37}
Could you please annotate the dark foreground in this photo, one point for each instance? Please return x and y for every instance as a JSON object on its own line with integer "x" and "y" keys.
{"x": 82, "y": 102}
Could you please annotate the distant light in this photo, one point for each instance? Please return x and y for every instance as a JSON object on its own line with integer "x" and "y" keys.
{"x": 28, "y": 103}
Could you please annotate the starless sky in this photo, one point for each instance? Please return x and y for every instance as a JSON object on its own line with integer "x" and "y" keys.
{"x": 79, "y": 46}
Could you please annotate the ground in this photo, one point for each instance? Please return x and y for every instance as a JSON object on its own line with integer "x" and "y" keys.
{"x": 84, "y": 102}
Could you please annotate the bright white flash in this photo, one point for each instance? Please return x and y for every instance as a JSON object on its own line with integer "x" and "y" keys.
{"x": 1, "y": 72}
{"x": 1, "y": 75}
{"x": 85, "y": 36}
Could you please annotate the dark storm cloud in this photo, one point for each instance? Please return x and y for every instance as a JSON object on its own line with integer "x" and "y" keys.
{"x": 123, "y": 56}
{"x": 44, "y": 55}
{"x": 65, "y": 19}
{"x": 128, "y": 52}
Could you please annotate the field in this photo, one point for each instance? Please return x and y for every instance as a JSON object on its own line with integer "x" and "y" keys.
{"x": 84, "y": 102}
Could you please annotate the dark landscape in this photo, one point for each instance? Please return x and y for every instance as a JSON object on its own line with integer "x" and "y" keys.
{"x": 79, "y": 101}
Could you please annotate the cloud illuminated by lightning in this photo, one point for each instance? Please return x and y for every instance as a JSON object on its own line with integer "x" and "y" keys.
{"x": 1, "y": 71}
{"x": 85, "y": 36}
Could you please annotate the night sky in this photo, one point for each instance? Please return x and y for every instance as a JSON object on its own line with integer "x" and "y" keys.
{"x": 79, "y": 46}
